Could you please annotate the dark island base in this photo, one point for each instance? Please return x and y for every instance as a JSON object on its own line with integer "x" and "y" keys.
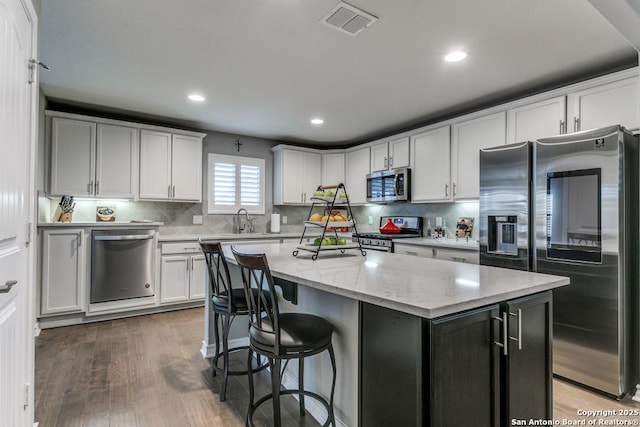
{"x": 453, "y": 370}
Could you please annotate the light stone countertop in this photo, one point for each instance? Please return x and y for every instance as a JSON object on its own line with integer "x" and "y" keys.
{"x": 442, "y": 243}
{"x": 95, "y": 224}
{"x": 234, "y": 236}
{"x": 430, "y": 288}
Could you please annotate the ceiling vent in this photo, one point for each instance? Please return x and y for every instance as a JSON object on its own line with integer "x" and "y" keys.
{"x": 348, "y": 19}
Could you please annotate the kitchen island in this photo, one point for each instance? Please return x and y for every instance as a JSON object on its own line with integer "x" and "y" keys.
{"x": 410, "y": 333}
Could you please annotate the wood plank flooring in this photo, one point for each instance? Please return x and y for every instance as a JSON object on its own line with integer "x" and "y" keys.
{"x": 148, "y": 371}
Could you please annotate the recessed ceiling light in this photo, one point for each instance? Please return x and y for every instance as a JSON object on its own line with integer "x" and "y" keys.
{"x": 455, "y": 56}
{"x": 196, "y": 97}
{"x": 317, "y": 121}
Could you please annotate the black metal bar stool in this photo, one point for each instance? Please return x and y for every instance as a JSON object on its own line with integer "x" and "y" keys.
{"x": 281, "y": 336}
{"x": 226, "y": 304}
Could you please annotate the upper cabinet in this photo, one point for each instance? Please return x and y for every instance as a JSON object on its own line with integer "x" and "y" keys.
{"x": 89, "y": 159}
{"x": 296, "y": 175}
{"x": 604, "y": 105}
{"x": 333, "y": 168}
{"x": 537, "y": 120}
{"x": 170, "y": 166}
{"x": 105, "y": 158}
{"x": 355, "y": 179}
{"x": 467, "y": 140}
{"x": 431, "y": 166}
{"x": 390, "y": 155}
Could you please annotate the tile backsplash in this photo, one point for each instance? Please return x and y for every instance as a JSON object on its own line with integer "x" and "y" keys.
{"x": 178, "y": 217}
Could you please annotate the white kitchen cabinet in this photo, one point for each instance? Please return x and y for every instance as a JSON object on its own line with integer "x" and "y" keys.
{"x": 607, "y": 104}
{"x": 182, "y": 273}
{"x": 72, "y": 156}
{"x": 431, "y": 166}
{"x": 414, "y": 250}
{"x": 332, "y": 168}
{"x": 170, "y": 166}
{"x": 537, "y": 120}
{"x": 467, "y": 140}
{"x": 89, "y": 159}
{"x": 390, "y": 155}
{"x": 457, "y": 255}
{"x": 355, "y": 179}
{"x": 296, "y": 175}
{"x": 63, "y": 271}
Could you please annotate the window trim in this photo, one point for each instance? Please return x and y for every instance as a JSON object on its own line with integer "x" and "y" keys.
{"x": 212, "y": 209}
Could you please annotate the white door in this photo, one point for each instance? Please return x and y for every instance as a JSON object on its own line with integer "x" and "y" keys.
{"x": 155, "y": 165}
{"x": 292, "y": 171}
{"x": 379, "y": 157}
{"x": 116, "y": 155}
{"x": 73, "y": 156}
{"x": 468, "y": 138}
{"x": 174, "y": 278}
{"x": 431, "y": 167}
{"x": 198, "y": 280}
{"x": 608, "y": 104}
{"x": 311, "y": 174}
{"x": 537, "y": 120}
{"x": 355, "y": 175}
{"x": 186, "y": 167}
{"x": 17, "y": 106}
{"x": 399, "y": 153}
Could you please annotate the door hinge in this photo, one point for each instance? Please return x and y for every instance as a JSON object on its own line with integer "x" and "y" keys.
{"x": 27, "y": 239}
{"x": 33, "y": 64}
{"x": 27, "y": 389}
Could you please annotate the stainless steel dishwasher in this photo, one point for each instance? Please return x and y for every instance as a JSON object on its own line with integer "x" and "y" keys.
{"x": 122, "y": 264}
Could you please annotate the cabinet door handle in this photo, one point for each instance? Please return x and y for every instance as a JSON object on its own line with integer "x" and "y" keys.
{"x": 4, "y": 289}
{"x": 97, "y": 187}
{"x": 446, "y": 190}
{"x": 79, "y": 240}
{"x": 561, "y": 127}
{"x": 386, "y": 163}
{"x": 519, "y": 338}
{"x": 505, "y": 334}
{"x": 454, "y": 189}
{"x": 458, "y": 259}
{"x": 576, "y": 124}
{"x": 90, "y": 187}
{"x": 411, "y": 253}
{"x": 174, "y": 192}
{"x": 169, "y": 191}
{"x": 390, "y": 161}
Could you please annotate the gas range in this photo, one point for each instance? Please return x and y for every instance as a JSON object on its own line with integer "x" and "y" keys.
{"x": 410, "y": 226}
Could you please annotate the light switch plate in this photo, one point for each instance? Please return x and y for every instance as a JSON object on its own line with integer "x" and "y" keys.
{"x": 438, "y": 221}
{"x": 370, "y": 220}
{"x": 284, "y": 219}
{"x": 197, "y": 219}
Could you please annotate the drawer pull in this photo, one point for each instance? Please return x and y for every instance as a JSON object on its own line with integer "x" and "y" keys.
{"x": 4, "y": 289}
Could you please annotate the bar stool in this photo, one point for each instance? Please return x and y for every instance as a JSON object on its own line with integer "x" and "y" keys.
{"x": 226, "y": 303}
{"x": 281, "y": 336}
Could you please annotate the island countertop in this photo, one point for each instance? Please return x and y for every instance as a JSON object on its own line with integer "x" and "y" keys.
{"x": 429, "y": 288}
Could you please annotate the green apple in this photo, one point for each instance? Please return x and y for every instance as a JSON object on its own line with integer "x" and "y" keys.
{"x": 329, "y": 194}
{"x": 342, "y": 241}
{"x": 317, "y": 241}
{"x": 318, "y": 193}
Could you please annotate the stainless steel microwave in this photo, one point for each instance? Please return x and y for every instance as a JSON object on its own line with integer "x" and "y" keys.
{"x": 392, "y": 185}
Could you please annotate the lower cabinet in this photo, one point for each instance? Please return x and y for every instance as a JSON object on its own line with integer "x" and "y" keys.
{"x": 63, "y": 271}
{"x": 455, "y": 370}
{"x": 447, "y": 254}
{"x": 182, "y": 273}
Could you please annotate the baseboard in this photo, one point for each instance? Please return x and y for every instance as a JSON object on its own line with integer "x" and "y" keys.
{"x": 36, "y": 330}
{"x": 313, "y": 407}
{"x": 208, "y": 351}
{"x": 636, "y": 396}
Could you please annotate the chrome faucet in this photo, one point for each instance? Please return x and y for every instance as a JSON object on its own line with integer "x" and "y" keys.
{"x": 248, "y": 225}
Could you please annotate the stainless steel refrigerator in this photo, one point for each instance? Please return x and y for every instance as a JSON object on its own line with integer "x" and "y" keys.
{"x": 568, "y": 205}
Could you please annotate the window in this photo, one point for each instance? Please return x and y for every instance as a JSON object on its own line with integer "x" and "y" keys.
{"x": 234, "y": 183}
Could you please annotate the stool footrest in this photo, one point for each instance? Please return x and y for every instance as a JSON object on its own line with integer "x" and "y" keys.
{"x": 220, "y": 356}
{"x": 311, "y": 394}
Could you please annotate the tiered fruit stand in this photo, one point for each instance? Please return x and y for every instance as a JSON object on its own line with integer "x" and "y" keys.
{"x": 334, "y": 199}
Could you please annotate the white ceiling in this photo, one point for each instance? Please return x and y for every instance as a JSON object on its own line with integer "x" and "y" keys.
{"x": 268, "y": 66}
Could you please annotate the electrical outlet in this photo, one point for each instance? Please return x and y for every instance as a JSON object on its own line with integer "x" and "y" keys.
{"x": 197, "y": 219}
{"x": 284, "y": 219}
{"x": 438, "y": 221}
{"x": 370, "y": 220}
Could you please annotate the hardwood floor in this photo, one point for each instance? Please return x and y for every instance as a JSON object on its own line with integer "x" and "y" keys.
{"x": 141, "y": 371}
{"x": 148, "y": 371}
